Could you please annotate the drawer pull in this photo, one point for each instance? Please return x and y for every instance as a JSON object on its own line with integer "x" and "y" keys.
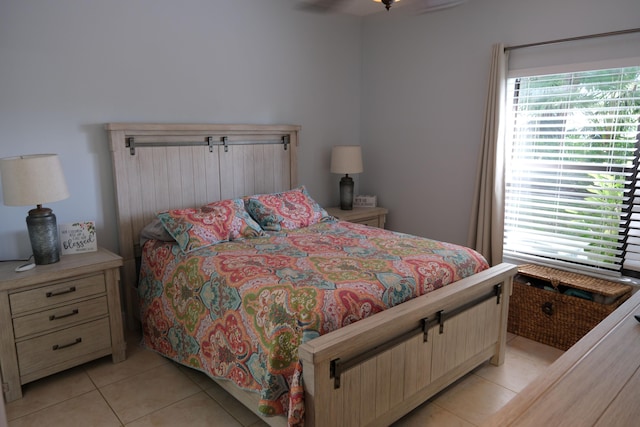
{"x": 59, "y": 347}
{"x": 55, "y": 294}
{"x": 62, "y": 316}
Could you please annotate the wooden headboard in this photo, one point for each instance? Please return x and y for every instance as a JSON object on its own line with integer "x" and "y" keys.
{"x": 171, "y": 166}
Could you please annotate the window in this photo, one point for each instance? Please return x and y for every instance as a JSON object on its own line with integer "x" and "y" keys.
{"x": 571, "y": 170}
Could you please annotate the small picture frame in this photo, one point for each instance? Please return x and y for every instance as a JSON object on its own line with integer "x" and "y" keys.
{"x": 78, "y": 237}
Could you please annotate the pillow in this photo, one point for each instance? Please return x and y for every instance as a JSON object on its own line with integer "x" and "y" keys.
{"x": 285, "y": 211}
{"x": 155, "y": 231}
{"x": 210, "y": 224}
{"x": 242, "y": 225}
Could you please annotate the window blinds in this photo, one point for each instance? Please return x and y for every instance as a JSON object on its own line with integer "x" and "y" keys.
{"x": 571, "y": 168}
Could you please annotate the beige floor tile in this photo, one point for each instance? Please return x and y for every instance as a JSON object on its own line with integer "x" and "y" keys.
{"x": 200, "y": 378}
{"x": 235, "y": 408}
{"x": 533, "y": 349}
{"x": 49, "y": 391}
{"x": 474, "y": 399}
{"x": 148, "y": 392}
{"x": 525, "y": 360}
{"x": 430, "y": 414}
{"x": 103, "y": 371}
{"x": 194, "y": 411}
{"x": 88, "y": 409}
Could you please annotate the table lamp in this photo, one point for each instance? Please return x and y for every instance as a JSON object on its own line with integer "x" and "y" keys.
{"x": 346, "y": 159}
{"x": 34, "y": 180}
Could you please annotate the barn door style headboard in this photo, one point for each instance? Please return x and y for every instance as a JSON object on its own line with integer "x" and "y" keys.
{"x": 171, "y": 166}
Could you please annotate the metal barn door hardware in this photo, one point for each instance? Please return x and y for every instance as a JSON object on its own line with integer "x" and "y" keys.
{"x": 131, "y": 144}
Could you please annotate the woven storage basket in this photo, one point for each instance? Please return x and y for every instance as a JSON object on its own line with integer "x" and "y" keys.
{"x": 553, "y": 317}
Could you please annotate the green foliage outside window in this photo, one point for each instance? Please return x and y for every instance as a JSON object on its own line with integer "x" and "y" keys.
{"x": 580, "y": 136}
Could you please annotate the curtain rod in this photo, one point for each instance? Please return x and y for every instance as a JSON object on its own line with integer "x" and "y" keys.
{"x": 570, "y": 39}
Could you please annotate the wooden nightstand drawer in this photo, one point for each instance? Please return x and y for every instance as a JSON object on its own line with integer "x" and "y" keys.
{"x": 48, "y": 350}
{"x": 371, "y": 222}
{"x": 58, "y": 293}
{"x": 60, "y": 317}
{"x": 373, "y": 217}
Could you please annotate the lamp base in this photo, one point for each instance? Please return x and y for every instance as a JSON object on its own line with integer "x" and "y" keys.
{"x": 346, "y": 193}
{"x": 43, "y": 234}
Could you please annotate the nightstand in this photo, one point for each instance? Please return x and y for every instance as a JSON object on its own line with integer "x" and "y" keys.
{"x": 374, "y": 217}
{"x": 57, "y": 316}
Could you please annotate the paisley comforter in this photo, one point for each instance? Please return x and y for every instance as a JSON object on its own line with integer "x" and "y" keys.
{"x": 239, "y": 310}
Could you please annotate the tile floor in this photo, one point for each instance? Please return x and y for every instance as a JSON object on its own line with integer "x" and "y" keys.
{"x": 148, "y": 390}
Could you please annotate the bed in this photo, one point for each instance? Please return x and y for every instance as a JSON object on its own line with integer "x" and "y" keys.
{"x": 364, "y": 367}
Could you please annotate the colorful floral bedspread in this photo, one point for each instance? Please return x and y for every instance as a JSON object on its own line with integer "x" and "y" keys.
{"x": 239, "y": 310}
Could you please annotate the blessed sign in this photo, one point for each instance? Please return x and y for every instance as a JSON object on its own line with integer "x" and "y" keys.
{"x": 78, "y": 237}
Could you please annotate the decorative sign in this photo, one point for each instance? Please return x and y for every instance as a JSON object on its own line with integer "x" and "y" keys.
{"x": 78, "y": 237}
{"x": 365, "y": 201}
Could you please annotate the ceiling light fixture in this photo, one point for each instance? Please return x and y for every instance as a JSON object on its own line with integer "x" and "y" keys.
{"x": 387, "y": 3}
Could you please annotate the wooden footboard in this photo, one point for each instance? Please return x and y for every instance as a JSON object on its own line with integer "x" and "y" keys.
{"x": 397, "y": 368}
{"x": 391, "y": 376}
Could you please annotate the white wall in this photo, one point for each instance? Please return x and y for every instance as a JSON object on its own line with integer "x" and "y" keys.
{"x": 410, "y": 89}
{"x": 424, "y": 84}
{"x": 69, "y": 66}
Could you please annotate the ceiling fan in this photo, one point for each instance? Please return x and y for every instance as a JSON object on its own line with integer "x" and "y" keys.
{"x": 421, "y": 6}
{"x": 387, "y": 3}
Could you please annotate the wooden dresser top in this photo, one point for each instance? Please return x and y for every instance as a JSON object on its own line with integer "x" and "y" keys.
{"x": 595, "y": 383}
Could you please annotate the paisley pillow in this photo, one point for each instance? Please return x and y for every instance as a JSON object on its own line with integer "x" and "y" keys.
{"x": 242, "y": 225}
{"x": 285, "y": 211}
{"x": 196, "y": 228}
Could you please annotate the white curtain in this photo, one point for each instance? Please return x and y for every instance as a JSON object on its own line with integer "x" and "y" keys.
{"x": 486, "y": 229}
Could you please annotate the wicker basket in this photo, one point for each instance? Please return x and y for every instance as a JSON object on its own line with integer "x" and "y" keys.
{"x": 553, "y": 315}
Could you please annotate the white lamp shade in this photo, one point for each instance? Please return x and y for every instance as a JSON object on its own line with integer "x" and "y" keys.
{"x": 32, "y": 180}
{"x": 346, "y": 159}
